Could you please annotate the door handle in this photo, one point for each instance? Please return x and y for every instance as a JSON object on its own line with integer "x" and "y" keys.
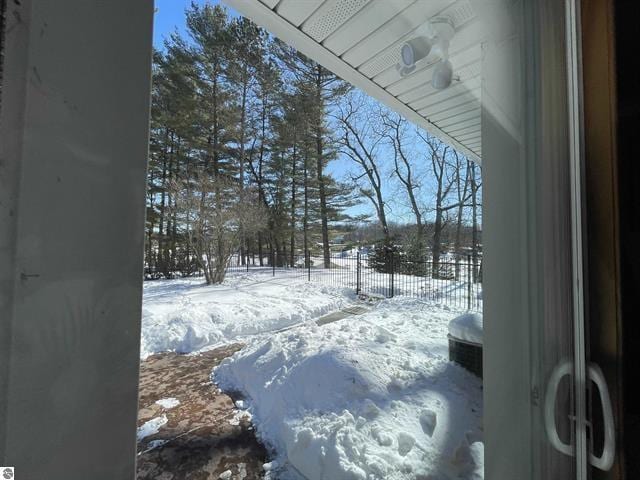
{"x": 604, "y": 461}
{"x": 563, "y": 369}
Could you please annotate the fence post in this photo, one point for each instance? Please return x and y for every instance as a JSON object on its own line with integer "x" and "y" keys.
{"x": 469, "y": 286}
{"x": 387, "y": 271}
{"x": 391, "y": 256}
{"x": 358, "y": 273}
{"x": 308, "y": 255}
{"x": 273, "y": 262}
{"x": 247, "y": 262}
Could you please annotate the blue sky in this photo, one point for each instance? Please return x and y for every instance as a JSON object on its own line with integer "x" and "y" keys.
{"x": 169, "y": 17}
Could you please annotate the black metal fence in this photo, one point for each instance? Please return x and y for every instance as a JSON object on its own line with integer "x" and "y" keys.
{"x": 455, "y": 282}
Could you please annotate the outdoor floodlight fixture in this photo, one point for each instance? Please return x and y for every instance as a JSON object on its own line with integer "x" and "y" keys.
{"x": 442, "y": 75}
{"x": 414, "y": 50}
{"x": 431, "y": 40}
{"x": 404, "y": 71}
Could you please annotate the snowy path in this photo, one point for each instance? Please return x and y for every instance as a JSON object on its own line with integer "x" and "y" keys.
{"x": 186, "y": 315}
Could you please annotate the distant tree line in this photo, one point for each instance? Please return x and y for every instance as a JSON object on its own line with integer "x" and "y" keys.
{"x": 403, "y": 235}
{"x": 242, "y": 130}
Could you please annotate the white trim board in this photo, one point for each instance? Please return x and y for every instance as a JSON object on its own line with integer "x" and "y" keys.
{"x": 285, "y": 31}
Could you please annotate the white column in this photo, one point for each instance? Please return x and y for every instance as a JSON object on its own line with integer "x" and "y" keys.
{"x": 73, "y": 154}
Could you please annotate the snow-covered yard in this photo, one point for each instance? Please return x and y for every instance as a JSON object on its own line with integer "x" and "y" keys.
{"x": 186, "y": 315}
{"x": 371, "y": 396}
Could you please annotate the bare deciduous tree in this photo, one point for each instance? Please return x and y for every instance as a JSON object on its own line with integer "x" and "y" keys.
{"x": 213, "y": 215}
{"x": 445, "y": 178}
{"x": 395, "y": 127}
{"x": 475, "y": 241}
{"x": 359, "y": 141}
{"x": 463, "y": 185}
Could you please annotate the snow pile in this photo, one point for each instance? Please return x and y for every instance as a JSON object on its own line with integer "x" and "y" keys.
{"x": 168, "y": 403}
{"x": 368, "y": 397}
{"x": 239, "y": 416}
{"x": 151, "y": 427}
{"x": 186, "y": 315}
{"x": 468, "y": 327}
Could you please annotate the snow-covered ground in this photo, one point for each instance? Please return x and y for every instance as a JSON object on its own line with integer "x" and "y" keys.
{"x": 444, "y": 291}
{"x": 368, "y": 397}
{"x": 185, "y": 315}
{"x": 349, "y": 270}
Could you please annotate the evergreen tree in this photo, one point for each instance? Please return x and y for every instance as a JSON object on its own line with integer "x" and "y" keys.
{"x": 319, "y": 88}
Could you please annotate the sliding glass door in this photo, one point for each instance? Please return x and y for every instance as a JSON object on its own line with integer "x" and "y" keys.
{"x": 535, "y": 349}
{"x": 500, "y": 82}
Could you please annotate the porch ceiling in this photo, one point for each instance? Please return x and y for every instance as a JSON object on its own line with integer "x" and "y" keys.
{"x": 360, "y": 40}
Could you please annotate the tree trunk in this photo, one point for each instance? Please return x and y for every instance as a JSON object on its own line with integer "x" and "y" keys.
{"x": 163, "y": 200}
{"x": 258, "y": 174}
{"x": 457, "y": 240}
{"x": 383, "y": 217}
{"x": 462, "y": 198}
{"x": 436, "y": 248}
{"x": 243, "y": 116}
{"x": 292, "y": 240}
{"x": 407, "y": 181}
{"x": 437, "y": 239}
{"x": 320, "y": 167}
{"x": 305, "y": 220}
{"x": 150, "y": 224}
{"x": 474, "y": 214}
{"x": 174, "y": 173}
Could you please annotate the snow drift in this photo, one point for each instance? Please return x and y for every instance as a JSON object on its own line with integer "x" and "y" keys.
{"x": 186, "y": 315}
{"x": 369, "y": 397}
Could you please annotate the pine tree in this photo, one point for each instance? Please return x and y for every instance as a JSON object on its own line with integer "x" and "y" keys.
{"x": 319, "y": 87}
{"x": 235, "y": 111}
